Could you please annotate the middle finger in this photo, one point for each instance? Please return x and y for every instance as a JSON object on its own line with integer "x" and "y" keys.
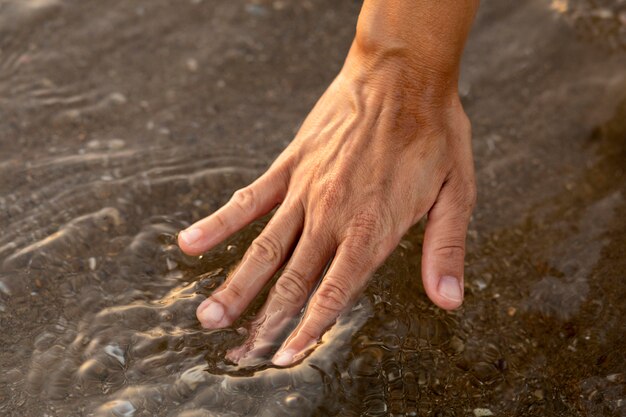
{"x": 287, "y": 298}
{"x": 265, "y": 256}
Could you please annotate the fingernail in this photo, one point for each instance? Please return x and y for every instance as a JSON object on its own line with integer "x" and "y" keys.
{"x": 450, "y": 288}
{"x": 212, "y": 314}
{"x": 191, "y": 236}
{"x": 284, "y": 358}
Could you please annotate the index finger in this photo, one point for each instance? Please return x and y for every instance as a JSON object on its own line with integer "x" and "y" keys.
{"x": 246, "y": 205}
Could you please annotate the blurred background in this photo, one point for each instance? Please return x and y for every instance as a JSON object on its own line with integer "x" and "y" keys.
{"x": 123, "y": 121}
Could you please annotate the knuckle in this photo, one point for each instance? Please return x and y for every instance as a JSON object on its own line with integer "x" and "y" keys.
{"x": 365, "y": 229}
{"x": 366, "y": 222}
{"x": 466, "y": 125}
{"x": 244, "y": 199}
{"x": 465, "y": 197}
{"x": 451, "y": 248}
{"x": 364, "y": 238}
{"x": 384, "y": 249}
{"x": 331, "y": 194}
{"x": 281, "y": 174}
{"x": 221, "y": 222}
{"x": 291, "y": 288}
{"x": 317, "y": 230}
{"x": 232, "y": 291}
{"x": 470, "y": 196}
{"x": 311, "y": 330}
{"x": 358, "y": 252}
{"x": 266, "y": 249}
{"x": 332, "y": 297}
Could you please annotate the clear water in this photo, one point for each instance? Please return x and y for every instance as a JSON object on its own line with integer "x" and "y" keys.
{"x": 122, "y": 122}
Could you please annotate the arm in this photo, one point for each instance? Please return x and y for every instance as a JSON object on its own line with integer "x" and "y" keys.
{"x": 386, "y": 144}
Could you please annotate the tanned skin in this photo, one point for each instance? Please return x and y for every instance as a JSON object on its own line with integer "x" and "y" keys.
{"x": 387, "y": 144}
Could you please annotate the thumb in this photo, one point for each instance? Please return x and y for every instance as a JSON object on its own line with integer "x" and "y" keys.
{"x": 443, "y": 252}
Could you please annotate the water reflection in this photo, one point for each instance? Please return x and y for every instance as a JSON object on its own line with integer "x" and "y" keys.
{"x": 122, "y": 123}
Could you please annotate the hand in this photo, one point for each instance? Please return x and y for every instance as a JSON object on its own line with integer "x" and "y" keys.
{"x": 373, "y": 157}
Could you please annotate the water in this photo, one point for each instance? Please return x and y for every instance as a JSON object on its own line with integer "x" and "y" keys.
{"x": 121, "y": 123}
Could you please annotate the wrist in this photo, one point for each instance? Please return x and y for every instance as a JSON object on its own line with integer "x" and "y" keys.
{"x": 388, "y": 70}
{"x": 422, "y": 39}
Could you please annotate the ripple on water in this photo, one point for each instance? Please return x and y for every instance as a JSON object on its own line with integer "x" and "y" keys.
{"x": 101, "y": 302}
{"x": 124, "y": 333}
{"x": 121, "y": 336}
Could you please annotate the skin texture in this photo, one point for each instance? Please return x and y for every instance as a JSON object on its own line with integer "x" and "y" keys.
{"x": 386, "y": 144}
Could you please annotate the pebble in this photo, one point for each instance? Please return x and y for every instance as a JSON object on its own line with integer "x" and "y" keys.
{"x": 119, "y": 408}
{"x": 194, "y": 376}
{"x": 485, "y": 372}
{"x": 482, "y": 412}
{"x": 171, "y": 264}
{"x": 192, "y": 65}
{"x": 118, "y": 97}
{"x": 602, "y": 14}
{"x": 116, "y": 352}
{"x": 279, "y": 5}
{"x": 12, "y": 376}
{"x": 92, "y": 369}
{"x": 196, "y": 413}
{"x": 295, "y": 401}
{"x": 256, "y": 9}
{"x": 480, "y": 284}
{"x": 4, "y": 288}
{"x": 93, "y": 144}
{"x": 456, "y": 344}
{"x": 116, "y": 143}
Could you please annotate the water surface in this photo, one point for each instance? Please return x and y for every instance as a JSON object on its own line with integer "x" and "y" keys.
{"x": 123, "y": 122}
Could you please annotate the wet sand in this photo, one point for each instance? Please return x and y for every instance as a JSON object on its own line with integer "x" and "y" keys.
{"x": 122, "y": 122}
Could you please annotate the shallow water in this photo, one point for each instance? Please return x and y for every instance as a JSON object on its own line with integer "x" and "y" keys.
{"x": 122, "y": 122}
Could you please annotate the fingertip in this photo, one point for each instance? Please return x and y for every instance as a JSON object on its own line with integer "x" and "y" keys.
{"x": 296, "y": 347}
{"x": 284, "y": 357}
{"x": 444, "y": 290}
{"x": 442, "y": 274}
{"x": 450, "y": 292}
{"x": 189, "y": 239}
{"x": 443, "y": 281}
{"x": 202, "y": 306}
{"x": 212, "y": 314}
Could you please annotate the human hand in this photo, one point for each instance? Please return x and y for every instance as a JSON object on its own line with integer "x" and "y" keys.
{"x": 373, "y": 157}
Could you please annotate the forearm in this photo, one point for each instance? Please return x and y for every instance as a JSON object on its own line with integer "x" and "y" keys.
{"x": 420, "y": 40}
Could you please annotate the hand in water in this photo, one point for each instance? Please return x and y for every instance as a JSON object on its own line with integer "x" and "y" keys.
{"x": 386, "y": 144}
{"x": 371, "y": 159}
